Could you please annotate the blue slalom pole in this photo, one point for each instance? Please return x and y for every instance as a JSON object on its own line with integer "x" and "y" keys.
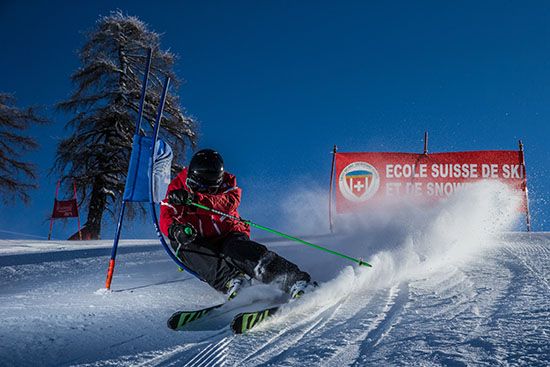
{"x": 144, "y": 89}
{"x": 123, "y": 207}
{"x": 151, "y": 180}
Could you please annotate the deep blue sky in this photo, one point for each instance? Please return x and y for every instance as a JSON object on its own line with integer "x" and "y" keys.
{"x": 275, "y": 84}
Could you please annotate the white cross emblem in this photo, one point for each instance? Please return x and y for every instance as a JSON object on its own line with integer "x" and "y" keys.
{"x": 358, "y": 186}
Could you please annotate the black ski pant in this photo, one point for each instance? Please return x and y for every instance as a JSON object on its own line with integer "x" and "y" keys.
{"x": 218, "y": 262}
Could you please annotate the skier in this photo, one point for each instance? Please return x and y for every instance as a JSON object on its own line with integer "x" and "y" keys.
{"x": 218, "y": 248}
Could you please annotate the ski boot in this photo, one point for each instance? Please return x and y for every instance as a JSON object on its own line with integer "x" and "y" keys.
{"x": 300, "y": 287}
{"x": 233, "y": 286}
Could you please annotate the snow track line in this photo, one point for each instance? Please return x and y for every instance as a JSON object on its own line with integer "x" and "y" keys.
{"x": 523, "y": 262}
{"x": 299, "y": 337}
{"x": 153, "y": 285}
{"x": 366, "y": 340}
{"x": 337, "y": 337}
{"x": 317, "y": 335}
{"x": 214, "y": 358}
{"x": 391, "y": 314}
{"x": 511, "y": 290}
{"x": 280, "y": 349}
{"x": 296, "y": 329}
{"x": 205, "y": 353}
{"x": 163, "y": 357}
{"x": 173, "y": 356}
{"x": 126, "y": 341}
{"x": 385, "y": 325}
{"x": 523, "y": 289}
{"x": 84, "y": 355}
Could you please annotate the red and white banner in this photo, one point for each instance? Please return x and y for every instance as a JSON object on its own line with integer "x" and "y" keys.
{"x": 365, "y": 177}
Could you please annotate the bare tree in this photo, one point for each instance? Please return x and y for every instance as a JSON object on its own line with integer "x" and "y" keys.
{"x": 104, "y": 107}
{"x": 16, "y": 175}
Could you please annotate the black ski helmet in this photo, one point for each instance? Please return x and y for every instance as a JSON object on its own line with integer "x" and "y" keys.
{"x": 205, "y": 172}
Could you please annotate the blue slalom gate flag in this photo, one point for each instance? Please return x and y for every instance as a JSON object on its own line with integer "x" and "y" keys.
{"x": 137, "y": 183}
{"x": 162, "y": 166}
{"x": 139, "y": 170}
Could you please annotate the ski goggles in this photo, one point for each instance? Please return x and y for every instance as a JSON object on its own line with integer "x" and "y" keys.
{"x": 196, "y": 186}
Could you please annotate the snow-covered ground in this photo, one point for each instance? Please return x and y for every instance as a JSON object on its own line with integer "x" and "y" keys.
{"x": 447, "y": 287}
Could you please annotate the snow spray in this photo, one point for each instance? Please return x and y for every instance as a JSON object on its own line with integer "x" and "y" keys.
{"x": 408, "y": 239}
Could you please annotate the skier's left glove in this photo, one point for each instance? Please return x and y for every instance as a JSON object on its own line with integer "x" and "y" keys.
{"x": 180, "y": 197}
{"x": 182, "y": 233}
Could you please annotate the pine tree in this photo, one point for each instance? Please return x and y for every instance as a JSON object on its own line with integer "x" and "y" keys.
{"x": 16, "y": 175}
{"x": 104, "y": 110}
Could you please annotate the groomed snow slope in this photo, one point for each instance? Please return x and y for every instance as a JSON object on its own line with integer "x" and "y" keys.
{"x": 445, "y": 289}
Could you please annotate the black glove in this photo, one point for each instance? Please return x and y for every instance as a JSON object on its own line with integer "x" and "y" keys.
{"x": 180, "y": 197}
{"x": 182, "y": 233}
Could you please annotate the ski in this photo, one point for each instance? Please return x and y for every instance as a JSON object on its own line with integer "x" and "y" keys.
{"x": 245, "y": 321}
{"x": 181, "y": 318}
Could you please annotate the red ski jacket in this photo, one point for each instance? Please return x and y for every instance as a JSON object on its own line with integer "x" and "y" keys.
{"x": 209, "y": 226}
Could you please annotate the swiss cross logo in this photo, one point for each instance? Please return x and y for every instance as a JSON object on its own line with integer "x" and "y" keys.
{"x": 359, "y": 181}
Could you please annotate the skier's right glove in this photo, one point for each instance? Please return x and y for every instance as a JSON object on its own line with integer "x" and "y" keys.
{"x": 180, "y": 197}
{"x": 182, "y": 233}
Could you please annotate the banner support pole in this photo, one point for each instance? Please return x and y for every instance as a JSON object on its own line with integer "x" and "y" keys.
{"x": 330, "y": 221}
{"x": 524, "y": 172}
{"x": 425, "y": 143}
{"x": 77, "y": 211}
{"x": 51, "y": 218}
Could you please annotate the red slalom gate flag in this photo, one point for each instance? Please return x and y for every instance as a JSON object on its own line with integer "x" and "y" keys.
{"x": 366, "y": 177}
{"x": 65, "y": 209}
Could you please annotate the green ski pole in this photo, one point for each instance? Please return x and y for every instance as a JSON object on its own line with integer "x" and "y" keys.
{"x": 292, "y": 238}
